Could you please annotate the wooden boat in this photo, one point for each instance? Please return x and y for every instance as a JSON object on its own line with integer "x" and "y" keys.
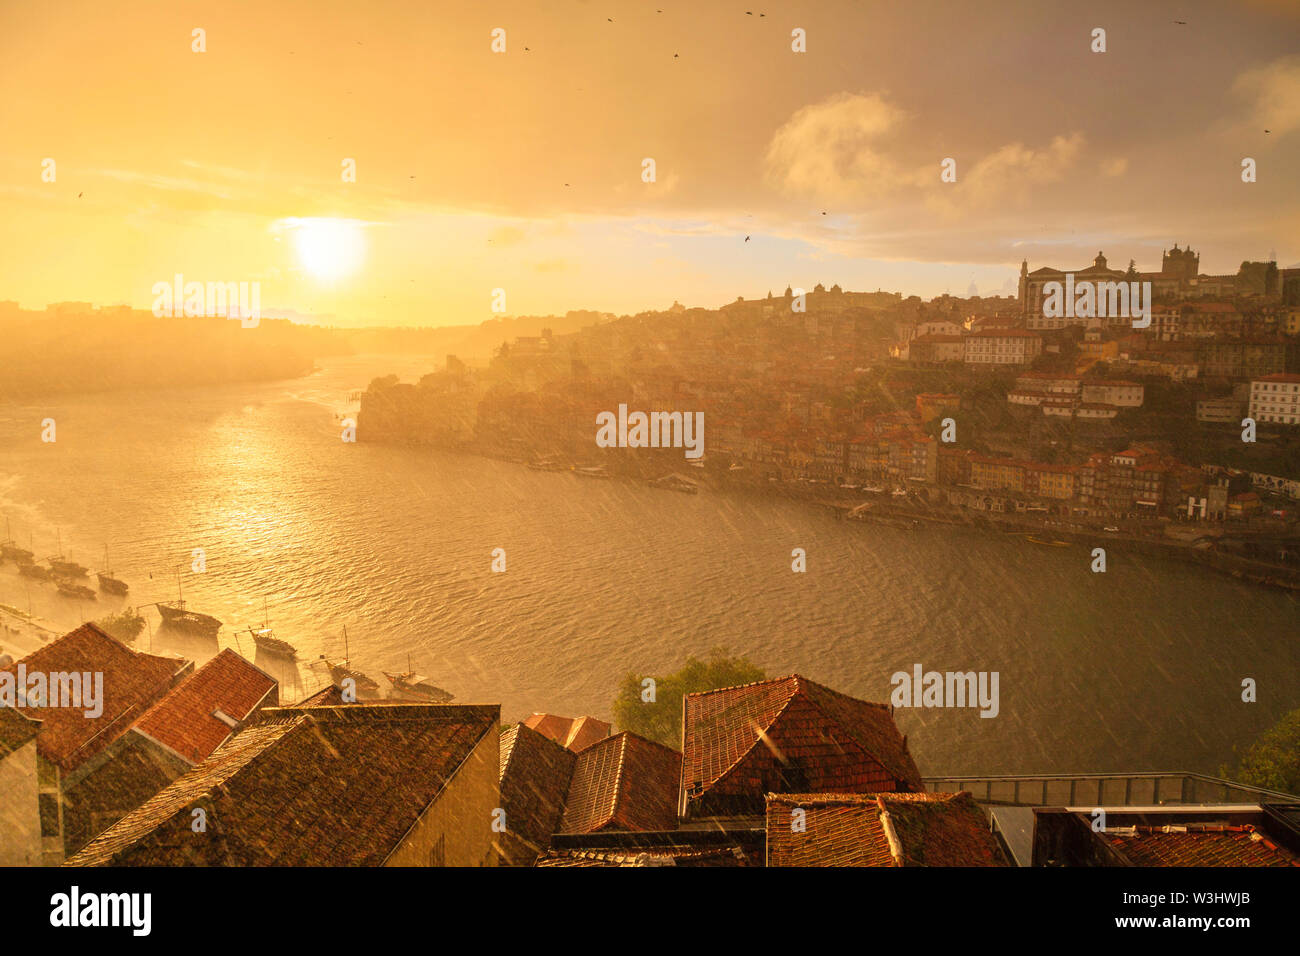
{"x": 1050, "y": 544}
{"x": 73, "y": 590}
{"x": 411, "y": 684}
{"x": 33, "y": 570}
{"x": 341, "y": 671}
{"x": 176, "y": 614}
{"x": 12, "y": 551}
{"x": 106, "y": 580}
{"x": 269, "y": 644}
{"x": 70, "y": 569}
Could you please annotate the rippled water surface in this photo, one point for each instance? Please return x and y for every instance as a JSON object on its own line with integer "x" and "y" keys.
{"x": 1136, "y": 669}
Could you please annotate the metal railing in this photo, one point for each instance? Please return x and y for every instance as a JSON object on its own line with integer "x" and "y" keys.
{"x": 1105, "y": 789}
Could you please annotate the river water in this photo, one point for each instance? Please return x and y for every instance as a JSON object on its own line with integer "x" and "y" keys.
{"x": 1136, "y": 669}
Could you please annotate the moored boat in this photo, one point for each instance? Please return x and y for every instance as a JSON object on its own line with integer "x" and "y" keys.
{"x": 111, "y": 584}
{"x": 11, "y": 551}
{"x": 69, "y": 569}
{"x": 106, "y": 580}
{"x": 176, "y": 615}
{"x": 340, "y": 672}
{"x": 71, "y": 589}
{"x": 410, "y": 684}
{"x": 270, "y": 644}
{"x": 33, "y": 570}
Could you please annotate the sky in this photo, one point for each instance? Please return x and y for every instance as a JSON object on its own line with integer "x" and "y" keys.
{"x": 523, "y": 170}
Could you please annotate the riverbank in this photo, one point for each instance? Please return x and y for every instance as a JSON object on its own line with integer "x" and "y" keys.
{"x": 909, "y": 512}
{"x": 22, "y": 633}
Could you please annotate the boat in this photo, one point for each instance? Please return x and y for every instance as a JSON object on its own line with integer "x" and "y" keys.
{"x": 10, "y": 550}
{"x": 74, "y": 590}
{"x": 412, "y": 684}
{"x": 33, "y": 570}
{"x": 1050, "y": 544}
{"x": 341, "y": 671}
{"x": 545, "y": 464}
{"x": 270, "y": 644}
{"x": 111, "y": 584}
{"x": 106, "y": 580}
{"x": 176, "y": 614}
{"x": 594, "y": 471}
{"x": 69, "y": 569}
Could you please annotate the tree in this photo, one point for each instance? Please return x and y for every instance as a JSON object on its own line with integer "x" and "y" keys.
{"x": 661, "y": 718}
{"x": 125, "y": 626}
{"x": 1273, "y": 760}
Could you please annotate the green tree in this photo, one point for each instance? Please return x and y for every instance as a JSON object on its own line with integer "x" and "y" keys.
{"x": 1273, "y": 760}
{"x": 661, "y": 719}
{"x": 125, "y": 626}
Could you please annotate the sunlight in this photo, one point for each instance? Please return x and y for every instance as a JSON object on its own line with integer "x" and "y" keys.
{"x": 329, "y": 249}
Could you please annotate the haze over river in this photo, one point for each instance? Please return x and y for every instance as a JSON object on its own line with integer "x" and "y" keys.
{"x": 1136, "y": 669}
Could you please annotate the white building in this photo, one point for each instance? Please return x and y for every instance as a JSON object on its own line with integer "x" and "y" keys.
{"x": 992, "y": 347}
{"x": 1276, "y": 398}
{"x": 1119, "y": 393}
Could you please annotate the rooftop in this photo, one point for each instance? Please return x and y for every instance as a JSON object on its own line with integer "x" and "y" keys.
{"x": 132, "y": 682}
{"x": 299, "y": 788}
{"x": 185, "y": 720}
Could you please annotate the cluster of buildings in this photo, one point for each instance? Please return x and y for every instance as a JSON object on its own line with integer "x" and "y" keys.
{"x": 206, "y": 767}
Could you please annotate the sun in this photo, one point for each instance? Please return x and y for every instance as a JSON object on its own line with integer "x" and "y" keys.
{"x": 329, "y": 249}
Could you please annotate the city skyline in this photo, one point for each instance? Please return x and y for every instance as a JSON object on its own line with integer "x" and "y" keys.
{"x": 226, "y": 165}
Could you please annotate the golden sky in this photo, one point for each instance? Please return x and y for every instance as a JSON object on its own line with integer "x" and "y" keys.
{"x": 522, "y": 170}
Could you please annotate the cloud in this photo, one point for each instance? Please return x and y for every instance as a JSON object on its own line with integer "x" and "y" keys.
{"x": 1005, "y": 172}
{"x": 825, "y": 150}
{"x": 1274, "y": 92}
{"x": 1114, "y": 167}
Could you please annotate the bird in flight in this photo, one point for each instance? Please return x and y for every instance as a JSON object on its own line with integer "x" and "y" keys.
{"x": 79, "y": 194}
{"x": 1183, "y": 22}
{"x": 747, "y": 238}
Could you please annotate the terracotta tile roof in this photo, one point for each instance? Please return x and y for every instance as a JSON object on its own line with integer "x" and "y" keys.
{"x": 535, "y": 775}
{"x": 185, "y": 720}
{"x": 888, "y": 829}
{"x": 790, "y": 733}
{"x": 656, "y": 856}
{"x": 576, "y": 733}
{"x": 942, "y": 829}
{"x": 16, "y": 729}
{"x": 331, "y": 696}
{"x": 303, "y": 786}
{"x": 624, "y": 782}
{"x": 1198, "y": 844}
{"x": 132, "y": 682}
